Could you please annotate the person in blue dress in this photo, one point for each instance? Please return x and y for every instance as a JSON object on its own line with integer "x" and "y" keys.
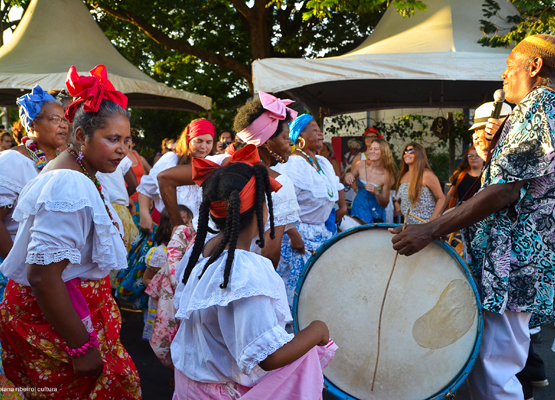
{"x": 374, "y": 178}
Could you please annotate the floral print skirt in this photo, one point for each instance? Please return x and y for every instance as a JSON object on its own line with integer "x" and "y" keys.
{"x": 33, "y": 352}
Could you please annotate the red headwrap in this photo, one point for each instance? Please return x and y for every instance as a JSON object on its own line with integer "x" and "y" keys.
{"x": 199, "y": 128}
{"x": 373, "y": 130}
{"x": 91, "y": 90}
{"x": 203, "y": 168}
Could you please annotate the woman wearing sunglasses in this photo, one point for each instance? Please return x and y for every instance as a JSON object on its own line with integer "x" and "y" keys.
{"x": 420, "y": 198}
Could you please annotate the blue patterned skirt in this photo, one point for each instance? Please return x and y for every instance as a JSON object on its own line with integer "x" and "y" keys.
{"x": 292, "y": 263}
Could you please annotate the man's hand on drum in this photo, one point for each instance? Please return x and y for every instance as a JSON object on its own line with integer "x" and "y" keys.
{"x": 413, "y": 239}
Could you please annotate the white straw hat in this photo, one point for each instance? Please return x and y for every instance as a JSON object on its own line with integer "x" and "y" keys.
{"x": 483, "y": 113}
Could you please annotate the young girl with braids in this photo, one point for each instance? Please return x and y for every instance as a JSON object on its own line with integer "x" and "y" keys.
{"x": 232, "y": 304}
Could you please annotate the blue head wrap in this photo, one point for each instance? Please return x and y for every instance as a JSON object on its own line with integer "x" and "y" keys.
{"x": 298, "y": 125}
{"x": 30, "y": 105}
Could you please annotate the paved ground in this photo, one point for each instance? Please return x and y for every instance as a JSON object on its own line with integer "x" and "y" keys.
{"x": 155, "y": 378}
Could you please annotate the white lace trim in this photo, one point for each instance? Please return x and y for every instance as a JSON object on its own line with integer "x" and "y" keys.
{"x": 218, "y": 299}
{"x": 50, "y": 257}
{"x": 108, "y": 249}
{"x": 285, "y": 219}
{"x": 262, "y": 355}
{"x": 7, "y": 203}
{"x": 10, "y": 184}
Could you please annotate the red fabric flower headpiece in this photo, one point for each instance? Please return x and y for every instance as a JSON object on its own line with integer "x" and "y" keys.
{"x": 91, "y": 90}
{"x": 373, "y": 130}
{"x": 202, "y": 169}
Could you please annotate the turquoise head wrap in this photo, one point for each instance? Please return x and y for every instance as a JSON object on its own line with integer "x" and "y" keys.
{"x": 298, "y": 125}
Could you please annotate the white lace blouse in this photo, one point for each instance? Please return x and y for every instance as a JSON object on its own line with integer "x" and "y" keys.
{"x": 188, "y": 195}
{"x": 15, "y": 171}
{"x": 225, "y": 333}
{"x": 62, "y": 217}
{"x": 316, "y": 192}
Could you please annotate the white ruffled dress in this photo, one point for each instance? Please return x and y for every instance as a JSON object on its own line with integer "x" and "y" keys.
{"x": 188, "y": 195}
{"x": 62, "y": 216}
{"x": 316, "y": 195}
{"x": 225, "y": 333}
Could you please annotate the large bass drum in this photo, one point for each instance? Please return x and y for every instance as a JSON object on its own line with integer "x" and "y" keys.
{"x": 431, "y": 323}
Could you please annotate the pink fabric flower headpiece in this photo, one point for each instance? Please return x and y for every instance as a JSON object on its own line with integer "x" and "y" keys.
{"x": 265, "y": 126}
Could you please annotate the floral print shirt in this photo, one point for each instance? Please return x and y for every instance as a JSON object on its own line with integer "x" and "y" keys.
{"x": 512, "y": 253}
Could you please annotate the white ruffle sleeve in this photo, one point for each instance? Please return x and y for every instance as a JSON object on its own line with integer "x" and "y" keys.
{"x": 15, "y": 171}
{"x": 62, "y": 216}
{"x": 149, "y": 183}
{"x": 157, "y": 257}
{"x": 252, "y": 332}
{"x": 286, "y": 207}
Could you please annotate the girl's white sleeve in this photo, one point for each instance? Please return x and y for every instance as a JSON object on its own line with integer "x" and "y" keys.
{"x": 251, "y": 330}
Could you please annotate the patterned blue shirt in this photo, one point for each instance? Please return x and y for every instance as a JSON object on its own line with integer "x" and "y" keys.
{"x": 512, "y": 253}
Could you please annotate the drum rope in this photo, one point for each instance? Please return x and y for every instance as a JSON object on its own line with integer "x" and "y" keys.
{"x": 382, "y": 307}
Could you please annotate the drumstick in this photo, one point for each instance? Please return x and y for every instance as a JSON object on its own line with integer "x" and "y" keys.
{"x": 416, "y": 217}
{"x": 381, "y": 309}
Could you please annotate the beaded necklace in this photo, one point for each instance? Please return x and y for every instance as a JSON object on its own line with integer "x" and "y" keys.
{"x": 98, "y": 187}
{"x": 278, "y": 158}
{"x": 319, "y": 169}
{"x": 36, "y": 154}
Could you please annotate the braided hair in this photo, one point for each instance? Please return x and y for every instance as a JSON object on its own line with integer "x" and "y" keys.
{"x": 225, "y": 184}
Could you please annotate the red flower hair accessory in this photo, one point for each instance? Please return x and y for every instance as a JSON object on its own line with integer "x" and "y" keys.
{"x": 91, "y": 90}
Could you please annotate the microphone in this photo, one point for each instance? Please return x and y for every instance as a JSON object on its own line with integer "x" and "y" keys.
{"x": 499, "y": 98}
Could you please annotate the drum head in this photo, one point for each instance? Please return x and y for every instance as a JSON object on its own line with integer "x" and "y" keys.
{"x": 431, "y": 324}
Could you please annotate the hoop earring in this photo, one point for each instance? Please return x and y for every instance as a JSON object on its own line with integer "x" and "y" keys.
{"x": 301, "y": 146}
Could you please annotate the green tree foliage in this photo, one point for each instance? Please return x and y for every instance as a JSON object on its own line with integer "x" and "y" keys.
{"x": 534, "y": 17}
{"x": 5, "y": 22}
{"x": 207, "y": 46}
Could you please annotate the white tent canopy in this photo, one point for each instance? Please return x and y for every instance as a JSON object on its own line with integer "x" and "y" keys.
{"x": 55, "y": 34}
{"x": 431, "y": 59}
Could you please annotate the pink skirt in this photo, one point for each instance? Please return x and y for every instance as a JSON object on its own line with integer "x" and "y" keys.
{"x": 300, "y": 380}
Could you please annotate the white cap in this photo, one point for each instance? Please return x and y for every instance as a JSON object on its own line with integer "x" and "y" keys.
{"x": 483, "y": 113}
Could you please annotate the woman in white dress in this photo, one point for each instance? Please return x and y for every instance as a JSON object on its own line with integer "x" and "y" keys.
{"x": 318, "y": 190}
{"x": 59, "y": 325}
{"x": 43, "y": 119}
{"x": 195, "y": 142}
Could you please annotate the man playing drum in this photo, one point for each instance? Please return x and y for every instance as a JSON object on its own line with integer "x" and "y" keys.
{"x": 512, "y": 253}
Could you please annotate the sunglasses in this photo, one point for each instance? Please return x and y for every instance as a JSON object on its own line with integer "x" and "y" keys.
{"x": 408, "y": 151}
